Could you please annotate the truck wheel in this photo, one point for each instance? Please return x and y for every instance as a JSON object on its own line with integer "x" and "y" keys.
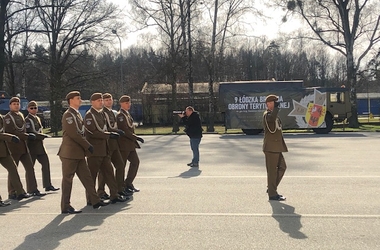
{"x": 252, "y": 131}
{"x": 329, "y": 125}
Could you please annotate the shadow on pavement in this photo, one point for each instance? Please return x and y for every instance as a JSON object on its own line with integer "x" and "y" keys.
{"x": 65, "y": 226}
{"x": 16, "y": 205}
{"x": 191, "y": 172}
{"x": 289, "y": 221}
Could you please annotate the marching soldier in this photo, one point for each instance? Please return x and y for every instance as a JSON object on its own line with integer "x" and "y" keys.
{"x": 114, "y": 151}
{"x": 15, "y": 124}
{"x": 36, "y": 147}
{"x": 273, "y": 147}
{"x": 98, "y": 135}
{"x": 72, "y": 154}
{"x": 8, "y": 163}
{"x": 128, "y": 142}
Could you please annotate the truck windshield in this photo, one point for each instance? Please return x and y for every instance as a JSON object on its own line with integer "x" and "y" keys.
{"x": 337, "y": 97}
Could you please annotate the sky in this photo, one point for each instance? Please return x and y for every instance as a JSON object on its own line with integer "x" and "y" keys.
{"x": 270, "y": 28}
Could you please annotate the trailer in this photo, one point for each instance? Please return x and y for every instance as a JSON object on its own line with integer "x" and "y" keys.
{"x": 316, "y": 108}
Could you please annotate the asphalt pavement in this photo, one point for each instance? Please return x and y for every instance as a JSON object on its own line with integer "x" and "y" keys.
{"x": 332, "y": 188}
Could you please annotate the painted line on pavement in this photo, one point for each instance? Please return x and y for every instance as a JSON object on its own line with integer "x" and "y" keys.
{"x": 352, "y": 216}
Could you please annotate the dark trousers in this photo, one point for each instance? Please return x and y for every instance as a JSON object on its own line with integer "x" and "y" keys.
{"x": 134, "y": 160}
{"x": 276, "y": 167}
{"x": 118, "y": 164}
{"x": 13, "y": 176}
{"x": 70, "y": 167}
{"x": 43, "y": 159}
{"x": 31, "y": 183}
{"x": 103, "y": 164}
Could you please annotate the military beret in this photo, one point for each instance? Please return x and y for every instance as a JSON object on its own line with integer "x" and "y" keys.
{"x": 107, "y": 95}
{"x": 96, "y": 96}
{"x": 32, "y": 104}
{"x": 14, "y": 99}
{"x": 271, "y": 98}
{"x": 124, "y": 98}
{"x": 72, "y": 94}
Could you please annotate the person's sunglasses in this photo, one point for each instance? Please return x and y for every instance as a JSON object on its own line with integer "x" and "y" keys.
{"x": 33, "y": 107}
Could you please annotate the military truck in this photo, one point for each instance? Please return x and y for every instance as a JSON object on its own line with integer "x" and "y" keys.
{"x": 316, "y": 108}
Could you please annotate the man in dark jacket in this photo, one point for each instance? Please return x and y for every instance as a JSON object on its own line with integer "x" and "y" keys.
{"x": 193, "y": 129}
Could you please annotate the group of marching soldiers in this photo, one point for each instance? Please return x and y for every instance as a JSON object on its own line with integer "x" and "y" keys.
{"x": 21, "y": 139}
{"x": 91, "y": 148}
{"x": 107, "y": 141}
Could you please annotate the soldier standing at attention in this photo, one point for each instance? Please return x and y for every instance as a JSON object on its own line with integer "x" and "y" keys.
{"x": 115, "y": 154}
{"x": 36, "y": 147}
{"x": 8, "y": 163}
{"x": 97, "y": 134}
{"x": 273, "y": 147}
{"x": 15, "y": 125}
{"x": 72, "y": 153}
{"x": 128, "y": 142}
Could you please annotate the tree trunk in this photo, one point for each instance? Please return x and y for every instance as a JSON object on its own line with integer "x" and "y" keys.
{"x": 3, "y": 15}
{"x": 174, "y": 93}
{"x": 351, "y": 79}
{"x": 57, "y": 95}
{"x": 56, "y": 98}
{"x": 190, "y": 56}
{"x": 211, "y": 106}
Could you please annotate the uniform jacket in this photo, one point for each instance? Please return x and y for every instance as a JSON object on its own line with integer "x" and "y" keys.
{"x": 193, "y": 126}
{"x": 15, "y": 125}
{"x": 4, "y": 138}
{"x": 74, "y": 144}
{"x": 273, "y": 139}
{"x": 128, "y": 141}
{"x": 96, "y": 132}
{"x": 112, "y": 127}
{"x": 33, "y": 125}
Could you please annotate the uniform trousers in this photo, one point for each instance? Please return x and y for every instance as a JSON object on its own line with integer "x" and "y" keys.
{"x": 118, "y": 163}
{"x": 103, "y": 164}
{"x": 43, "y": 159}
{"x": 134, "y": 160}
{"x": 31, "y": 183}
{"x": 70, "y": 167}
{"x": 276, "y": 167}
{"x": 13, "y": 176}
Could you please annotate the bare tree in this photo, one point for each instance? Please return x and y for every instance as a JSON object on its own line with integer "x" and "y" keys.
{"x": 186, "y": 7}
{"x": 69, "y": 26}
{"x": 225, "y": 16}
{"x": 15, "y": 21}
{"x": 166, "y": 16}
{"x": 350, "y": 27}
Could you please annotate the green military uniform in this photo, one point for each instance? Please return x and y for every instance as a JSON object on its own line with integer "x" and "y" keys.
{"x": 7, "y": 161}
{"x": 128, "y": 145}
{"x": 115, "y": 154}
{"x": 15, "y": 124}
{"x": 100, "y": 160}
{"x": 72, "y": 153}
{"x": 37, "y": 148}
{"x": 273, "y": 147}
